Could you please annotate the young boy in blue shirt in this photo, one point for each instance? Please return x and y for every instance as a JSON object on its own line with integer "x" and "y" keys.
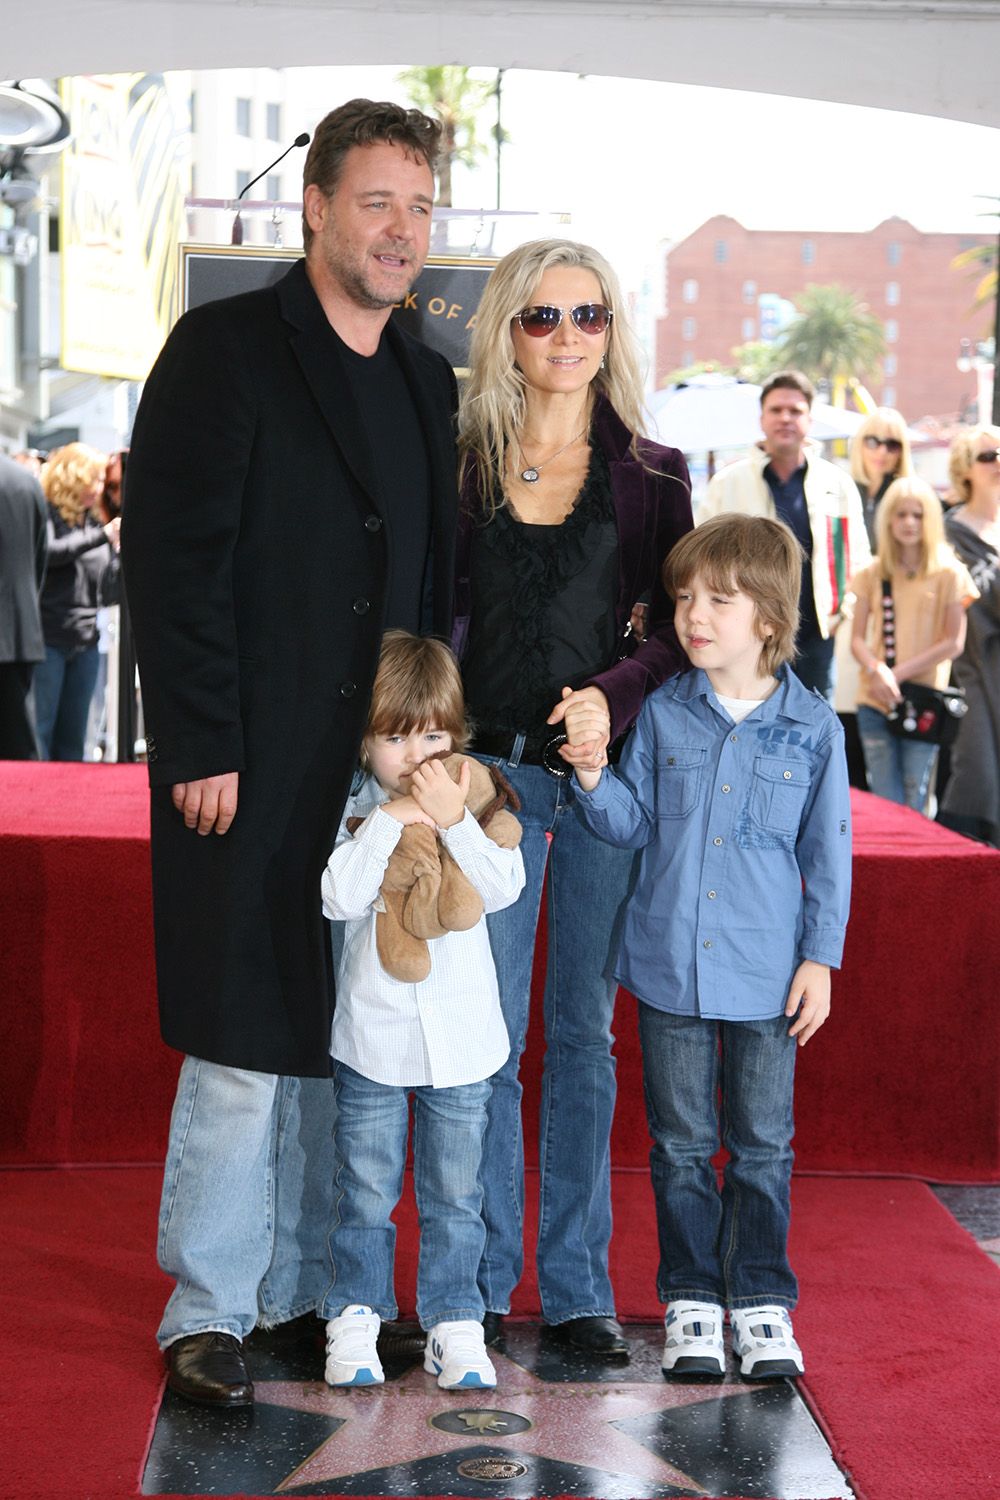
{"x": 734, "y": 786}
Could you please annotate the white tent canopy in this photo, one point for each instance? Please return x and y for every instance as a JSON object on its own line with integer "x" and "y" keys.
{"x": 935, "y": 57}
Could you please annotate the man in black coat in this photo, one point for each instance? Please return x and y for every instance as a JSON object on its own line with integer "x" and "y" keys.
{"x": 292, "y": 495}
{"x": 24, "y": 545}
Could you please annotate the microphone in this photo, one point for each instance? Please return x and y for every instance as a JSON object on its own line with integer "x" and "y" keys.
{"x": 237, "y": 235}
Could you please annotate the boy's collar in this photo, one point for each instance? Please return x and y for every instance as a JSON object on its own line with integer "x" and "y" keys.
{"x": 790, "y": 699}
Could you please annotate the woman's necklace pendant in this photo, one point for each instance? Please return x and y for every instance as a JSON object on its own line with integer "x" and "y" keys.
{"x": 530, "y": 476}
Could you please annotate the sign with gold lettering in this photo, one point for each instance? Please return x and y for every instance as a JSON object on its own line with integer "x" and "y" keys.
{"x": 440, "y": 310}
{"x": 121, "y": 218}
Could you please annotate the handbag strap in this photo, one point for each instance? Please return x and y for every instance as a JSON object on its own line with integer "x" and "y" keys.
{"x": 888, "y": 625}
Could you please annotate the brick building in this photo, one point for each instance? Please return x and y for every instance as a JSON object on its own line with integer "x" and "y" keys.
{"x": 717, "y": 277}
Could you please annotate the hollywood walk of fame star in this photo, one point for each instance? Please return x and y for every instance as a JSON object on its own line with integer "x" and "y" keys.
{"x": 391, "y": 1424}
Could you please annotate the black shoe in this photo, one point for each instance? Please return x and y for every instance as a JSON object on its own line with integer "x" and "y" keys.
{"x": 595, "y": 1335}
{"x": 209, "y": 1368}
{"x": 492, "y": 1328}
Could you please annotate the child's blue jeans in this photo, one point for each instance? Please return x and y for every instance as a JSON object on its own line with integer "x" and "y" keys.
{"x": 370, "y": 1143}
{"x": 727, "y": 1246}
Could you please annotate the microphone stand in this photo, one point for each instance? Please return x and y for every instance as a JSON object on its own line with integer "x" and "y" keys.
{"x": 237, "y": 234}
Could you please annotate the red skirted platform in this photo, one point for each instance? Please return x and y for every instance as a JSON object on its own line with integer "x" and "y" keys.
{"x": 904, "y": 1078}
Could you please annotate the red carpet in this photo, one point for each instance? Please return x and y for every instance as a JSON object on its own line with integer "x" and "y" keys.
{"x": 899, "y": 1321}
{"x": 904, "y": 1078}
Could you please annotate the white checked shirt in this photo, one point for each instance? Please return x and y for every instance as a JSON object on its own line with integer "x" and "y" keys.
{"x": 448, "y": 1029}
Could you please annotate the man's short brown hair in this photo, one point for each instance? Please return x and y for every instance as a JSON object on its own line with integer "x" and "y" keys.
{"x": 756, "y": 555}
{"x": 791, "y": 380}
{"x": 362, "y": 122}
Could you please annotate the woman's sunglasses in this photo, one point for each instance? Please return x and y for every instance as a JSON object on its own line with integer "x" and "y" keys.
{"x": 891, "y": 445}
{"x": 989, "y": 457}
{"x": 589, "y": 317}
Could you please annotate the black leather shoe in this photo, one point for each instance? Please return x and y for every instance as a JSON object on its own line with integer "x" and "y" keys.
{"x": 209, "y": 1368}
{"x": 595, "y": 1335}
{"x": 492, "y": 1328}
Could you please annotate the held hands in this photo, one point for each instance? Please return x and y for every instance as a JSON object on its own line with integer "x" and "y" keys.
{"x": 208, "y": 803}
{"x": 586, "y": 720}
{"x": 440, "y": 798}
{"x": 810, "y": 990}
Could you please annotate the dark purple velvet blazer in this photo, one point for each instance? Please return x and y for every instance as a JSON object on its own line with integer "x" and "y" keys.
{"x": 653, "y": 510}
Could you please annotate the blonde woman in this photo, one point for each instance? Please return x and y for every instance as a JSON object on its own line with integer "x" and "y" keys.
{"x": 568, "y": 513}
{"x": 880, "y": 453}
{"x": 930, "y": 593}
{"x": 971, "y": 801}
{"x": 80, "y": 553}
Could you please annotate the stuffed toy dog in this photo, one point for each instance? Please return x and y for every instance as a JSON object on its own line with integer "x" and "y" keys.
{"x": 424, "y": 892}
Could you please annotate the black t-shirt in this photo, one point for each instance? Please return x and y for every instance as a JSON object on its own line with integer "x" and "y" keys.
{"x": 400, "y": 455}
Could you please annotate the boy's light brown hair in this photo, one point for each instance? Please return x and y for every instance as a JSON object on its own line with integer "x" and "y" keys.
{"x": 756, "y": 555}
{"x": 417, "y": 686}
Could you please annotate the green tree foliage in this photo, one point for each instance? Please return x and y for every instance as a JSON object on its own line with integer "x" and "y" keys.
{"x": 980, "y": 261}
{"x": 457, "y": 100}
{"x": 832, "y": 334}
{"x": 757, "y": 360}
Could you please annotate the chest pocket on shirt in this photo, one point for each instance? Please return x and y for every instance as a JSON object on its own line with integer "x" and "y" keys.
{"x": 679, "y": 770}
{"x": 778, "y": 793}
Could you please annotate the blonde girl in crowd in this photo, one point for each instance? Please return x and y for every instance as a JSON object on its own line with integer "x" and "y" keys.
{"x": 880, "y": 453}
{"x": 930, "y": 591}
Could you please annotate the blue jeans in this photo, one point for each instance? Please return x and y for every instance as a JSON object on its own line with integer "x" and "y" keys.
{"x": 898, "y": 770}
{"x": 245, "y": 1204}
{"x": 588, "y": 881}
{"x": 64, "y": 686}
{"x": 370, "y": 1143}
{"x": 727, "y": 1246}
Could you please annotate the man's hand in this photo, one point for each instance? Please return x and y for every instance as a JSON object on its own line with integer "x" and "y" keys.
{"x": 439, "y": 796}
{"x": 810, "y": 990}
{"x": 208, "y": 803}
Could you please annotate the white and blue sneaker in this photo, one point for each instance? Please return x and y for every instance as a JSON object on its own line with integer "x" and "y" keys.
{"x": 694, "y": 1343}
{"x": 351, "y": 1355}
{"x": 764, "y": 1344}
{"x": 456, "y": 1354}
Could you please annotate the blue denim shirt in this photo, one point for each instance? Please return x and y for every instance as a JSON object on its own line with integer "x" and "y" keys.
{"x": 746, "y": 837}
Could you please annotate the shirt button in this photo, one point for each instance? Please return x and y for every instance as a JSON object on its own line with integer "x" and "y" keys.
{"x": 734, "y": 738}
{"x": 670, "y": 760}
{"x": 711, "y": 895}
{"x": 725, "y": 788}
{"x": 361, "y": 606}
{"x": 348, "y": 689}
{"x": 716, "y": 842}
{"x": 373, "y": 523}
{"x": 787, "y": 775}
{"x": 707, "y": 944}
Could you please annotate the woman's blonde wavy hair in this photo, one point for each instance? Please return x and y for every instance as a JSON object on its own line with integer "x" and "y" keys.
{"x": 491, "y": 417}
{"x": 963, "y": 455}
{"x": 884, "y": 422}
{"x": 68, "y": 472}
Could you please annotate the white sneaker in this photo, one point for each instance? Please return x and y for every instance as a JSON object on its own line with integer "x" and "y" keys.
{"x": 456, "y": 1354}
{"x": 763, "y": 1342}
{"x": 694, "y": 1339}
{"x": 351, "y": 1355}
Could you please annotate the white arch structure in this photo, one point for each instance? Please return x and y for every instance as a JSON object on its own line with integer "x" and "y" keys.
{"x": 934, "y": 57}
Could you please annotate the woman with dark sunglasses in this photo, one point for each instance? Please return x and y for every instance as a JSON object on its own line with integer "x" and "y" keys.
{"x": 568, "y": 513}
{"x": 971, "y": 800}
{"x": 880, "y": 453}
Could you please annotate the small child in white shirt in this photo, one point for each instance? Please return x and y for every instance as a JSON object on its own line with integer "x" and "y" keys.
{"x": 440, "y": 1039}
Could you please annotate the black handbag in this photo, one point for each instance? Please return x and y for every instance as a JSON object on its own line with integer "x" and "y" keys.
{"x": 928, "y": 714}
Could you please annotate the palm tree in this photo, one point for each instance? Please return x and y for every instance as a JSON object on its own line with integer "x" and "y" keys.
{"x": 981, "y": 261}
{"x": 456, "y": 99}
{"x": 833, "y": 334}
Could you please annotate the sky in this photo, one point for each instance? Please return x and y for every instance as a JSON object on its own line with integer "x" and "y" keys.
{"x": 635, "y": 162}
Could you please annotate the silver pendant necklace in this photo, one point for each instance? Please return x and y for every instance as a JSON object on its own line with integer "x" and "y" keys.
{"x": 530, "y": 475}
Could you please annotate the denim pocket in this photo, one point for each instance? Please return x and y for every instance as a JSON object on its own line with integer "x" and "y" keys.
{"x": 678, "y": 780}
{"x": 778, "y": 793}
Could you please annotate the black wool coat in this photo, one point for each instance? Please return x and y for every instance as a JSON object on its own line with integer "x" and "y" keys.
{"x": 256, "y": 565}
{"x": 24, "y": 545}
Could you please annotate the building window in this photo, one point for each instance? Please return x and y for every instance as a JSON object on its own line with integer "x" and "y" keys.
{"x": 891, "y": 330}
{"x": 748, "y": 329}
{"x": 890, "y": 365}
{"x": 721, "y": 252}
{"x": 243, "y": 117}
{"x": 888, "y": 395}
{"x": 749, "y": 291}
{"x": 892, "y": 293}
{"x": 688, "y": 328}
{"x": 191, "y": 111}
{"x": 894, "y": 253}
{"x": 274, "y": 122}
{"x": 689, "y": 291}
{"x": 242, "y": 181}
{"x": 808, "y": 252}
{"x": 687, "y": 359}
{"x": 274, "y": 187}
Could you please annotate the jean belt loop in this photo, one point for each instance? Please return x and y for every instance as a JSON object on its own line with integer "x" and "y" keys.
{"x": 514, "y": 759}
